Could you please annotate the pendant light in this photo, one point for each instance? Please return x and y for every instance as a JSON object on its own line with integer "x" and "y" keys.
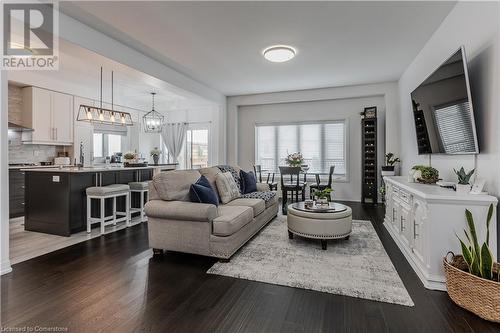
{"x": 100, "y": 115}
{"x": 153, "y": 121}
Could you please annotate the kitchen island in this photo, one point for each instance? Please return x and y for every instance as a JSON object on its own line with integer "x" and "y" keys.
{"x": 55, "y": 198}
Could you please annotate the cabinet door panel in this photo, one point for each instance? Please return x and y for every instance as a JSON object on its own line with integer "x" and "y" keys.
{"x": 42, "y": 120}
{"x": 62, "y": 113}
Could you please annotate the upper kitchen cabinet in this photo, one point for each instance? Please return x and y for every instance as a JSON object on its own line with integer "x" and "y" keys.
{"x": 50, "y": 114}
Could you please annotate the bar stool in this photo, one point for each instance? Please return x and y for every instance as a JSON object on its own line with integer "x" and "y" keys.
{"x": 143, "y": 189}
{"x": 108, "y": 192}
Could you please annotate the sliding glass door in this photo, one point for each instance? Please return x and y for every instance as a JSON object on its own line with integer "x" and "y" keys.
{"x": 195, "y": 153}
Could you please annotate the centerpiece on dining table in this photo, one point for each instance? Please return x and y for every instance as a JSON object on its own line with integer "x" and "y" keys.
{"x": 295, "y": 159}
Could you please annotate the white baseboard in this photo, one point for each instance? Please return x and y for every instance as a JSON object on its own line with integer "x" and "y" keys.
{"x": 5, "y": 267}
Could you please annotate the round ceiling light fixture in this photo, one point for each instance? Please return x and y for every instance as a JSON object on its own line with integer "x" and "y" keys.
{"x": 279, "y": 53}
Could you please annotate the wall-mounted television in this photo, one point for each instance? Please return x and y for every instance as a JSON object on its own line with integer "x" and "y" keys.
{"x": 442, "y": 110}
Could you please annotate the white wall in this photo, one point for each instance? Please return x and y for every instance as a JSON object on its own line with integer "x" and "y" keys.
{"x": 337, "y": 109}
{"x": 476, "y": 26}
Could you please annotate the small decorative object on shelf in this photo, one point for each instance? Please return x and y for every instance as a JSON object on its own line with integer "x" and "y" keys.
{"x": 155, "y": 154}
{"x": 369, "y": 155}
{"x": 130, "y": 157}
{"x": 294, "y": 159}
{"x": 425, "y": 174}
{"x": 463, "y": 186}
{"x": 473, "y": 278}
{"x": 323, "y": 196}
{"x": 309, "y": 204}
{"x": 390, "y": 161}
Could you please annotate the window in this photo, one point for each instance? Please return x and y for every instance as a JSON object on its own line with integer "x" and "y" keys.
{"x": 321, "y": 143}
{"x": 195, "y": 153}
{"x": 106, "y": 144}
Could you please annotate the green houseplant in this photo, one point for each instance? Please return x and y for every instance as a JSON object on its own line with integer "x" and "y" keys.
{"x": 323, "y": 196}
{"x": 425, "y": 174}
{"x": 390, "y": 162}
{"x": 473, "y": 278}
{"x": 463, "y": 186}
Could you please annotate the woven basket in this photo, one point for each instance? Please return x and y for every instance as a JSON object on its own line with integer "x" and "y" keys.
{"x": 471, "y": 292}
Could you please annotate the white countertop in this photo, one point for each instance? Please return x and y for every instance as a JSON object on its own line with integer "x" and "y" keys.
{"x": 435, "y": 192}
{"x": 73, "y": 169}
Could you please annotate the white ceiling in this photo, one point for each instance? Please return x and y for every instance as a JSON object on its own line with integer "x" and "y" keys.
{"x": 79, "y": 74}
{"x": 220, "y": 43}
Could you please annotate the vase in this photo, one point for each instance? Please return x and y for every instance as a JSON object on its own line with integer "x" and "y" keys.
{"x": 322, "y": 202}
{"x": 388, "y": 170}
{"x": 155, "y": 159}
{"x": 462, "y": 188}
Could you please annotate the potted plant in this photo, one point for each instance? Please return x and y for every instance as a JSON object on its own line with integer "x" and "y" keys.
{"x": 390, "y": 162}
{"x": 463, "y": 186}
{"x": 425, "y": 174}
{"x": 323, "y": 196}
{"x": 473, "y": 278}
{"x": 294, "y": 159}
{"x": 155, "y": 154}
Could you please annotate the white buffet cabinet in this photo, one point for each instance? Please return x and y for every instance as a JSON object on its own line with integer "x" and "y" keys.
{"x": 423, "y": 220}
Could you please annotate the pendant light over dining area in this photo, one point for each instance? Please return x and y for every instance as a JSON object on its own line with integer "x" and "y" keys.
{"x": 153, "y": 121}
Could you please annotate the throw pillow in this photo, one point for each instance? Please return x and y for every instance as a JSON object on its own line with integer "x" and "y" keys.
{"x": 228, "y": 190}
{"x": 248, "y": 182}
{"x": 202, "y": 192}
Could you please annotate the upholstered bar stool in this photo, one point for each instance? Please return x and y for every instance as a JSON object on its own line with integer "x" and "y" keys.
{"x": 102, "y": 193}
{"x": 142, "y": 188}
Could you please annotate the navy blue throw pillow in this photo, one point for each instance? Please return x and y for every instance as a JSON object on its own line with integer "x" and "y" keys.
{"x": 202, "y": 192}
{"x": 248, "y": 182}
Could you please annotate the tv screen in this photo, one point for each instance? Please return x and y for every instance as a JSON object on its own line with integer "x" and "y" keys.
{"x": 442, "y": 110}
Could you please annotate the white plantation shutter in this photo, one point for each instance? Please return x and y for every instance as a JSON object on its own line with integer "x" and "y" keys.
{"x": 322, "y": 144}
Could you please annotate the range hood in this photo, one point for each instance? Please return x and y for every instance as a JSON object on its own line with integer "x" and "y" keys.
{"x": 19, "y": 128}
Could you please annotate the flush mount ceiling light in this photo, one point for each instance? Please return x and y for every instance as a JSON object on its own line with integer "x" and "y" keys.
{"x": 279, "y": 53}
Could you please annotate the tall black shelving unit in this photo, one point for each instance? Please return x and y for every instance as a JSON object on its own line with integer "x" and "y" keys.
{"x": 369, "y": 155}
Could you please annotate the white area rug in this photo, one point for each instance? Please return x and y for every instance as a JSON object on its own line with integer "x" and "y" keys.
{"x": 358, "y": 267}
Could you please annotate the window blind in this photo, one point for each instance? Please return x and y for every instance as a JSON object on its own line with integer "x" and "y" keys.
{"x": 322, "y": 144}
{"x": 455, "y": 128}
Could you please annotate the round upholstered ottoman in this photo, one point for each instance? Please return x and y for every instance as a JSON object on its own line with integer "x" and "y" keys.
{"x": 333, "y": 222}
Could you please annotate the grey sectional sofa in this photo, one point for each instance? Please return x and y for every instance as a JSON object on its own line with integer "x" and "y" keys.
{"x": 176, "y": 224}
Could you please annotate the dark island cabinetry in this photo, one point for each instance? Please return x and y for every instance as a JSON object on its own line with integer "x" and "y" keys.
{"x": 55, "y": 201}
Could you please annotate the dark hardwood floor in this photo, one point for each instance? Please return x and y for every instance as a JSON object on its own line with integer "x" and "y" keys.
{"x": 113, "y": 284}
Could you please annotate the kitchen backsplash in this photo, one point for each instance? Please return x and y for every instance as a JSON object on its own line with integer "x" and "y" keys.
{"x": 21, "y": 153}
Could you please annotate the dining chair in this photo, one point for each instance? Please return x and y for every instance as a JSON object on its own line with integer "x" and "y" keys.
{"x": 320, "y": 187}
{"x": 290, "y": 182}
{"x": 273, "y": 186}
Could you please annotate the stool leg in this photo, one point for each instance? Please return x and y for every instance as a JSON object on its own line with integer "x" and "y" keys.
{"x": 88, "y": 214}
{"x": 102, "y": 215}
{"x": 127, "y": 209}
{"x": 141, "y": 206}
{"x": 114, "y": 210}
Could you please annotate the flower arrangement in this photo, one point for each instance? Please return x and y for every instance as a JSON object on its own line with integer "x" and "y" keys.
{"x": 294, "y": 159}
{"x": 155, "y": 153}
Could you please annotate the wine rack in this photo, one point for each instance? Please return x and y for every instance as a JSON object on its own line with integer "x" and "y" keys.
{"x": 369, "y": 158}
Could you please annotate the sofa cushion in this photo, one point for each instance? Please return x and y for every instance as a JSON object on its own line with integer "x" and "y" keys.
{"x": 235, "y": 171}
{"x": 202, "y": 192}
{"x": 248, "y": 182}
{"x": 228, "y": 190}
{"x": 211, "y": 174}
{"x": 258, "y": 205}
{"x": 231, "y": 219}
{"x": 180, "y": 210}
{"x": 174, "y": 185}
{"x": 269, "y": 197}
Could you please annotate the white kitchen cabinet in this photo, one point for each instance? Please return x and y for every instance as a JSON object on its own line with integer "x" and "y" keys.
{"x": 424, "y": 219}
{"x": 49, "y": 113}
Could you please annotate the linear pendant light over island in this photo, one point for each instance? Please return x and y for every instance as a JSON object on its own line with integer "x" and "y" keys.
{"x": 100, "y": 115}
